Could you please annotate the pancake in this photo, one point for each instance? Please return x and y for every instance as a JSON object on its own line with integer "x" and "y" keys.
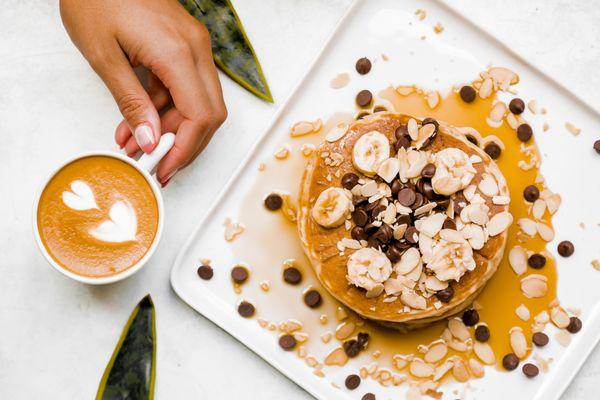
{"x": 404, "y": 221}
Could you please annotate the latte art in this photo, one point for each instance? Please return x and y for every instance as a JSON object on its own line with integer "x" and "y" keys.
{"x": 97, "y": 216}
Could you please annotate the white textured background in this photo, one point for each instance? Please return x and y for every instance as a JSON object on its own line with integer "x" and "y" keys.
{"x": 57, "y": 335}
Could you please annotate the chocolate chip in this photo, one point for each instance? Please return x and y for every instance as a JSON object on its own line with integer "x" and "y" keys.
{"x": 472, "y": 139}
{"x": 352, "y": 381}
{"x": 363, "y": 66}
{"x": 536, "y": 261}
{"x": 393, "y": 254}
{"x": 460, "y": 202}
{"x": 403, "y": 220}
{"x": 362, "y": 114}
{"x": 403, "y": 142}
{"x": 368, "y": 396}
{"x": 531, "y": 193}
{"x": 287, "y": 342}
{"x": 430, "y": 120}
{"x": 467, "y": 94}
{"x": 407, "y": 197}
{"x": 360, "y": 217}
{"x": 370, "y": 229}
{"x": 352, "y": 348}
{"x": 377, "y": 210}
{"x": 524, "y": 132}
{"x": 510, "y": 361}
{"x": 482, "y": 333}
{"x": 597, "y": 146}
{"x": 384, "y": 234}
{"x": 566, "y": 248}
{"x": 205, "y": 272}
{"x": 312, "y": 298}
{"x": 273, "y": 202}
{"x": 292, "y": 275}
{"x": 427, "y": 190}
{"x": 349, "y": 180}
{"x": 441, "y": 204}
{"x": 445, "y": 295}
{"x": 401, "y": 131}
{"x": 246, "y": 309}
{"x": 428, "y": 171}
{"x": 516, "y": 106}
{"x": 363, "y": 339}
{"x": 574, "y": 325}
{"x": 419, "y": 201}
{"x": 540, "y": 339}
{"x": 530, "y": 370}
{"x": 396, "y": 186}
{"x": 411, "y": 235}
{"x": 358, "y": 200}
{"x": 449, "y": 224}
{"x": 364, "y": 98}
{"x": 239, "y": 274}
{"x": 493, "y": 150}
{"x": 470, "y": 317}
{"x": 358, "y": 233}
{"x": 379, "y": 109}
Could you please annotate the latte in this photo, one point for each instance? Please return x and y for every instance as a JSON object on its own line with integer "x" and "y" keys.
{"x": 97, "y": 216}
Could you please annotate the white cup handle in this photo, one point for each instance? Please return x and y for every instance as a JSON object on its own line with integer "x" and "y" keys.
{"x": 150, "y": 160}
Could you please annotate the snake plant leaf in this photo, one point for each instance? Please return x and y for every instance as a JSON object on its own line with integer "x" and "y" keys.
{"x": 231, "y": 48}
{"x": 130, "y": 373}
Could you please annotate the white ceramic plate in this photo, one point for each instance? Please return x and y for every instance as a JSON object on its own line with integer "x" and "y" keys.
{"x": 457, "y": 55}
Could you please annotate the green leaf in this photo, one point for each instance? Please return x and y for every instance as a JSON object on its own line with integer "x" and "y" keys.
{"x": 131, "y": 371}
{"x": 232, "y": 50}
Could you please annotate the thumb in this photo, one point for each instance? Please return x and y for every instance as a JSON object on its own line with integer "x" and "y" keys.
{"x": 133, "y": 100}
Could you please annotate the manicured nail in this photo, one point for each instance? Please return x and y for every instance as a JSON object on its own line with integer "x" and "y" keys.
{"x": 167, "y": 178}
{"x": 144, "y": 137}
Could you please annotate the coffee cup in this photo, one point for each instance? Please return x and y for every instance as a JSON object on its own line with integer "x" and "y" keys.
{"x": 104, "y": 226}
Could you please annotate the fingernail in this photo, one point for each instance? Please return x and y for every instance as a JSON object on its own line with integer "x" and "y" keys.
{"x": 144, "y": 137}
{"x": 167, "y": 178}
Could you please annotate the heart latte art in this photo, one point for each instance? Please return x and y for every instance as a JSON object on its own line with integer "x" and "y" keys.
{"x": 97, "y": 216}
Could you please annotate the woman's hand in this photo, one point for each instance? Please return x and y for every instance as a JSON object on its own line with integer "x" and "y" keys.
{"x": 184, "y": 93}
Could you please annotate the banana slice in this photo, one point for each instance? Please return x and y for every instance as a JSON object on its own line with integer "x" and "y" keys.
{"x": 370, "y": 150}
{"x": 368, "y": 268}
{"x": 332, "y": 207}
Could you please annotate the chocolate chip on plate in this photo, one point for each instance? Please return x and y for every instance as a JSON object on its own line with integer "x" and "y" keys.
{"x": 287, "y": 342}
{"x": 482, "y": 333}
{"x": 411, "y": 235}
{"x": 292, "y": 275}
{"x": 364, "y": 98}
{"x": 205, "y": 272}
{"x": 361, "y": 115}
{"x": 239, "y": 274}
{"x": 352, "y": 381}
{"x": 467, "y": 94}
{"x": 312, "y": 298}
{"x": 530, "y": 370}
{"x": 566, "y": 248}
{"x": 246, "y": 309}
{"x": 358, "y": 233}
{"x": 510, "y": 361}
{"x": 540, "y": 339}
{"x": 363, "y": 339}
{"x": 531, "y": 193}
{"x": 407, "y": 197}
{"x": 445, "y": 295}
{"x": 536, "y": 261}
{"x": 470, "y": 317}
{"x": 524, "y": 132}
{"x": 349, "y": 180}
{"x": 516, "y": 106}
{"x": 363, "y": 65}
{"x": 597, "y": 146}
{"x": 472, "y": 139}
{"x": 368, "y": 396}
{"x": 402, "y": 142}
{"x": 428, "y": 170}
{"x": 351, "y": 348}
{"x": 574, "y": 325}
{"x": 273, "y": 202}
{"x": 493, "y": 150}
{"x": 379, "y": 109}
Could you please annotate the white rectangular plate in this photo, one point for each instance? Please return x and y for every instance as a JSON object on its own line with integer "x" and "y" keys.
{"x": 375, "y": 27}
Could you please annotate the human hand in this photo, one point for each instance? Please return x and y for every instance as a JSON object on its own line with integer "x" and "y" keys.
{"x": 184, "y": 93}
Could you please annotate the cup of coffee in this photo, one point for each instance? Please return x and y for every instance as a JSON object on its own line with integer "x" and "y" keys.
{"x": 99, "y": 216}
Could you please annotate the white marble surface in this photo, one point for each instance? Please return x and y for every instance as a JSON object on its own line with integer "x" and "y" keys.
{"x": 56, "y": 335}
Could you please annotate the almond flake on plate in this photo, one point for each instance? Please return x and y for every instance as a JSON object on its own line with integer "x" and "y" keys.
{"x": 340, "y": 80}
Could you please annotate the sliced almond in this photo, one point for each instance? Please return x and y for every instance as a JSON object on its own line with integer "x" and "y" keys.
{"x": 459, "y": 370}
{"x": 413, "y": 300}
{"x": 476, "y": 368}
{"x": 563, "y": 337}
{"x": 534, "y": 286}
{"x": 340, "y": 80}
{"x": 344, "y": 330}
{"x": 545, "y": 232}
{"x": 484, "y": 352}
{"x": 528, "y": 226}
{"x": 517, "y": 258}
{"x": 337, "y": 132}
{"x": 400, "y": 361}
{"x": 336, "y": 357}
{"x": 559, "y": 317}
{"x": 518, "y": 342}
{"x": 421, "y": 369}
{"x": 413, "y": 129}
{"x": 388, "y": 170}
{"x": 499, "y": 223}
{"x": 523, "y": 312}
{"x": 486, "y": 88}
{"x": 302, "y": 128}
{"x": 433, "y": 99}
{"x": 436, "y": 352}
{"x": 458, "y": 329}
{"x": 572, "y": 128}
{"x": 538, "y": 209}
{"x": 442, "y": 370}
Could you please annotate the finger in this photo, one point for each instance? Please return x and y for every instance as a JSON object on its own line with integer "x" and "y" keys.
{"x": 131, "y": 147}
{"x": 133, "y": 101}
